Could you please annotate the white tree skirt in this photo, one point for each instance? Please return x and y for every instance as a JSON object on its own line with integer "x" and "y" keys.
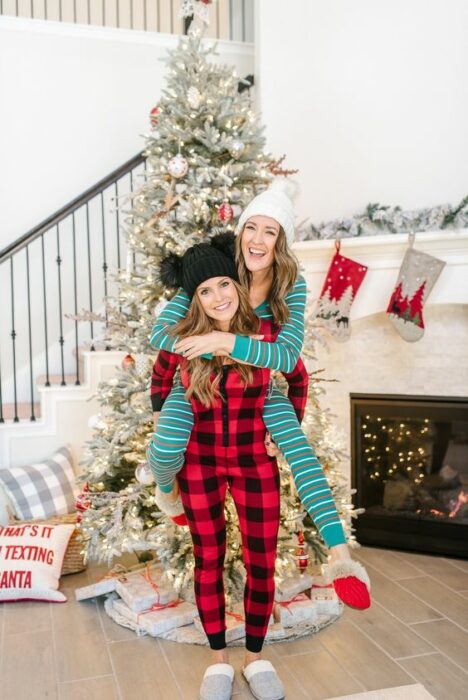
{"x": 190, "y": 635}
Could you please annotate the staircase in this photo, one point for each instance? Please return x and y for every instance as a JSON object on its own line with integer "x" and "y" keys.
{"x": 62, "y": 415}
{"x": 64, "y": 265}
{"x": 51, "y": 364}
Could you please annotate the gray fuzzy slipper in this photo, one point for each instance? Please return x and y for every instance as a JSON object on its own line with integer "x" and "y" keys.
{"x": 217, "y": 682}
{"x": 263, "y": 681}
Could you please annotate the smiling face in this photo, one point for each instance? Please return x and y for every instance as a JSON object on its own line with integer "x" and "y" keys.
{"x": 219, "y": 299}
{"x": 258, "y": 241}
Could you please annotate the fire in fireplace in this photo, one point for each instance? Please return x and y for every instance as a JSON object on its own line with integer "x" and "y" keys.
{"x": 410, "y": 472}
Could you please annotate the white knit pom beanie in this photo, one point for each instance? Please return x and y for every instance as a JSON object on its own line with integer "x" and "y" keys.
{"x": 275, "y": 202}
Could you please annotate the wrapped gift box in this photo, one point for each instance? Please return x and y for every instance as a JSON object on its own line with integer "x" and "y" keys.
{"x": 141, "y": 590}
{"x": 105, "y": 585}
{"x": 325, "y": 600}
{"x": 299, "y": 609}
{"x": 274, "y": 632}
{"x": 291, "y": 586}
{"x": 235, "y": 627}
{"x": 157, "y": 622}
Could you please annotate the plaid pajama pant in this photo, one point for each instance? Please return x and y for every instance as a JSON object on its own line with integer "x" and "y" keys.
{"x": 226, "y": 451}
{"x": 255, "y": 491}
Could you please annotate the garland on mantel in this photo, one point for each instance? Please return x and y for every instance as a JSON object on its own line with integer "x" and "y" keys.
{"x": 378, "y": 218}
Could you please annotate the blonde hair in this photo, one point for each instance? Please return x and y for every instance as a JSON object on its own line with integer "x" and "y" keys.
{"x": 197, "y": 322}
{"x": 285, "y": 271}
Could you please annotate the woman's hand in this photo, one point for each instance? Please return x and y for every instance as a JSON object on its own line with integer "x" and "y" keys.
{"x": 271, "y": 447}
{"x": 216, "y": 343}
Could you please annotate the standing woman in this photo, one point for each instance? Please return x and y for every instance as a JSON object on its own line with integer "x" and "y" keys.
{"x": 268, "y": 269}
{"x": 226, "y": 451}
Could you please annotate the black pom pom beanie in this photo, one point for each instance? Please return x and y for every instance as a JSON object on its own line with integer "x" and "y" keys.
{"x": 199, "y": 263}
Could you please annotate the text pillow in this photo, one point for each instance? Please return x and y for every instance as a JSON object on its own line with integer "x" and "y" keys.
{"x": 41, "y": 490}
{"x": 31, "y": 559}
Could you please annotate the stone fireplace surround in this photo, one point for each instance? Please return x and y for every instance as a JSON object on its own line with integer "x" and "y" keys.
{"x": 376, "y": 360}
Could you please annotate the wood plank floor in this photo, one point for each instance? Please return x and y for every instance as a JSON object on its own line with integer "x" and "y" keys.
{"x": 415, "y": 632}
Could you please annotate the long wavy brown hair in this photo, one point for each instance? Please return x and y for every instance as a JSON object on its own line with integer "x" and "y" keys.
{"x": 285, "y": 271}
{"x": 202, "y": 386}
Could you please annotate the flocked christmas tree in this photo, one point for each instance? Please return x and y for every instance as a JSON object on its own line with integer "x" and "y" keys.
{"x": 205, "y": 161}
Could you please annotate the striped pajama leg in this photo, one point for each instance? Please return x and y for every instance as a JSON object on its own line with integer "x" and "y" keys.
{"x": 166, "y": 451}
{"x": 309, "y": 477}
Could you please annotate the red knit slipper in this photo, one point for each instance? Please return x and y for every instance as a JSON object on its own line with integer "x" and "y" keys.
{"x": 351, "y": 583}
{"x": 180, "y": 519}
{"x": 175, "y": 511}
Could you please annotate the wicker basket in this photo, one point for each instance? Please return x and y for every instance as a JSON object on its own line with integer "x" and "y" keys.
{"x": 73, "y": 561}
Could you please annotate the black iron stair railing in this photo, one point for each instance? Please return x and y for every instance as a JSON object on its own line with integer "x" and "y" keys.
{"x": 77, "y": 239}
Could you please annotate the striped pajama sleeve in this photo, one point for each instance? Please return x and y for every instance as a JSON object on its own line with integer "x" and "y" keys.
{"x": 175, "y": 309}
{"x": 283, "y": 354}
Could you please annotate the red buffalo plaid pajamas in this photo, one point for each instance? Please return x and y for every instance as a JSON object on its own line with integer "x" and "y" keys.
{"x": 167, "y": 363}
{"x": 226, "y": 450}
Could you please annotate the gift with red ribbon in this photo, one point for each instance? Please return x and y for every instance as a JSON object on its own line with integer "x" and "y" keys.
{"x": 160, "y": 618}
{"x": 105, "y": 584}
{"x": 292, "y": 612}
{"x": 141, "y": 591}
{"x": 325, "y": 598}
{"x": 235, "y": 625}
{"x": 289, "y": 586}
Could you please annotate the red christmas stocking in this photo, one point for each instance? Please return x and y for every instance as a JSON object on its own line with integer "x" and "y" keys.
{"x": 344, "y": 277}
{"x": 418, "y": 274}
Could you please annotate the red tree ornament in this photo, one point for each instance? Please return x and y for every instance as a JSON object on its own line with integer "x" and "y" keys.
{"x": 225, "y": 212}
{"x": 154, "y": 115}
{"x": 302, "y": 558}
{"x": 82, "y": 502}
{"x": 128, "y": 362}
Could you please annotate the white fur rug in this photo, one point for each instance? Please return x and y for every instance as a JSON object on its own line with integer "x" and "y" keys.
{"x": 190, "y": 635}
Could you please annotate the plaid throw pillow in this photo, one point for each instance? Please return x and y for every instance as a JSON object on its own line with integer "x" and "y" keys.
{"x": 38, "y": 491}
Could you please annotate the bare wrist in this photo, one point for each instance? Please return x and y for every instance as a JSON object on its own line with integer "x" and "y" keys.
{"x": 228, "y": 342}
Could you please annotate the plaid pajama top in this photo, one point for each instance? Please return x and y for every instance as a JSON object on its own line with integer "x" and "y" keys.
{"x": 232, "y": 427}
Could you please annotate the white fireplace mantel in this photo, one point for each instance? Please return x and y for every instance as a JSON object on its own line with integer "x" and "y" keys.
{"x": 375, "y": 359}
{"x": 383, "y": 255}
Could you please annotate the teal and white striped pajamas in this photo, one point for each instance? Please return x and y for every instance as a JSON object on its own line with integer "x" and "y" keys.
{"x": 166, "y": 451}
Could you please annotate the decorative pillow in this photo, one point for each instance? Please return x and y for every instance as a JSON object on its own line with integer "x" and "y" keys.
{"x": 6, "y": 510}
{"x": 38, "y": 491}
{"x": 31, "y": 559}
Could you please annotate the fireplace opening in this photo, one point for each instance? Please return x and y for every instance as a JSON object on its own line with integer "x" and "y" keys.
{"x": 410, "y": 471}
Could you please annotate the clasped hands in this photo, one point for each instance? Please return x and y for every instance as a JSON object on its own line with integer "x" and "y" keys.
{"x": 214, "y": 343}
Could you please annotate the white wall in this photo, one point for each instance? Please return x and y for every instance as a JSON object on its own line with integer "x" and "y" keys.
{"x": 74, "y": 101}
{"x": 369, "y": 99}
